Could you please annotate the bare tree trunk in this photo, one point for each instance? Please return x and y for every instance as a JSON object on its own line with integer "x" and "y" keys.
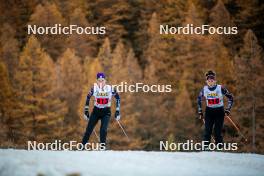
{"x": 253, "y": 125}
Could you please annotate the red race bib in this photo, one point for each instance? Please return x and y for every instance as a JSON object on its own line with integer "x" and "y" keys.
{"x": 213, "y": 101}
{"x": 102, "y": 101}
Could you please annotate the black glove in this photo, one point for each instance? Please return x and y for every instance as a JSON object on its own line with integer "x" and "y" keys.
{"x": 86, "y": 112}
{"x": 227, "y": 112}
{"x": 117, "y": 115}
{"x": 200, "y": 113}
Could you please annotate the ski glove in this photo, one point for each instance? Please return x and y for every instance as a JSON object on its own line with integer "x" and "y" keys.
{"x": 117, "y": 115}
{"x": 200, "y": 113}
{"x": 227, "y": 112}
{"x": 86, "y": 112}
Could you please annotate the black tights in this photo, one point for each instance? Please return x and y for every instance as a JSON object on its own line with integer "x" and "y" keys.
{"x": 104, "y": 115}
{"x": 214, "y": 117}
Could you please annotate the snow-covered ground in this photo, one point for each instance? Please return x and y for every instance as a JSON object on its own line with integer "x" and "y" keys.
{"x": 123, "y": 163}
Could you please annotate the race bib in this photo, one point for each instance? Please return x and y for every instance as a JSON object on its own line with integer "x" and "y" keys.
{"x": 102, "y": 101}
{"x": 213, "y": 101}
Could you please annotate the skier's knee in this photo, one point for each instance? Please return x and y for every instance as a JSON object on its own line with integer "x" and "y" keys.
{"x": 103, "y": 131}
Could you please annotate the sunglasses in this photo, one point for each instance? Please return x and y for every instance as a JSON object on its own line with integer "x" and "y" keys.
{"x": 210, "y": 78}
{"x": 100, "y": 79}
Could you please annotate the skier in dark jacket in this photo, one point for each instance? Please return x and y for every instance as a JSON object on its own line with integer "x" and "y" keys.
{"x": 102, "y": 108}
{"x": 214, "y": 112}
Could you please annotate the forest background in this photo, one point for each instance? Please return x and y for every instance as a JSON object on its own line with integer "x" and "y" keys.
{"x": 45, "y": 78}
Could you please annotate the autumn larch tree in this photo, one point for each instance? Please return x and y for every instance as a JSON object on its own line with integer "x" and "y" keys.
{"x": 47, "y": 15}
{"x": 105, "y": 56}
{"x": 39, "y": 112}
{"x": 70, "y": 89}
{"x": 68, "y": 7}
{"x": 9, "y": 49}
{"x": 114, "y": 15}
{"x": 220, "y": 17}
{"x": 250, "y": 86}
{"x": 7, "y": 104}
{"x": 84, "y": 44}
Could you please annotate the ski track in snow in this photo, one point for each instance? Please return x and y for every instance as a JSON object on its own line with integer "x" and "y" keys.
{"x": 128, "y": 163}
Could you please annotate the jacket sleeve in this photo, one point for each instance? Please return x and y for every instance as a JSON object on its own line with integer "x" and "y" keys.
{"x": 199, "y": 100}
{"x": 229, "y": 96}
{"x": 117, "y": 97}
{"x": 89, "y": 95}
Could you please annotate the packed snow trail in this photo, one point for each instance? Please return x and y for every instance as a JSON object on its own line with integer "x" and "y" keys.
{"x": 128, "y": 163}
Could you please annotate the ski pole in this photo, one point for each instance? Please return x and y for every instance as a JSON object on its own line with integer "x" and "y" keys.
{"x": 236, "y": 127}
{"x": 96, "y": 135}
{"x": 123, "y": 129}
{"x": 204, "y": 124}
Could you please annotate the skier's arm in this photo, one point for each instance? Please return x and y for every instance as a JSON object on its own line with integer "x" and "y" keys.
{"x": 89, "y": 95}
{"x": 117, "y": 97}
{"x": 86, "y": 107}
{"x": 229, "y": 96}
{"x": 199, "y": 100}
